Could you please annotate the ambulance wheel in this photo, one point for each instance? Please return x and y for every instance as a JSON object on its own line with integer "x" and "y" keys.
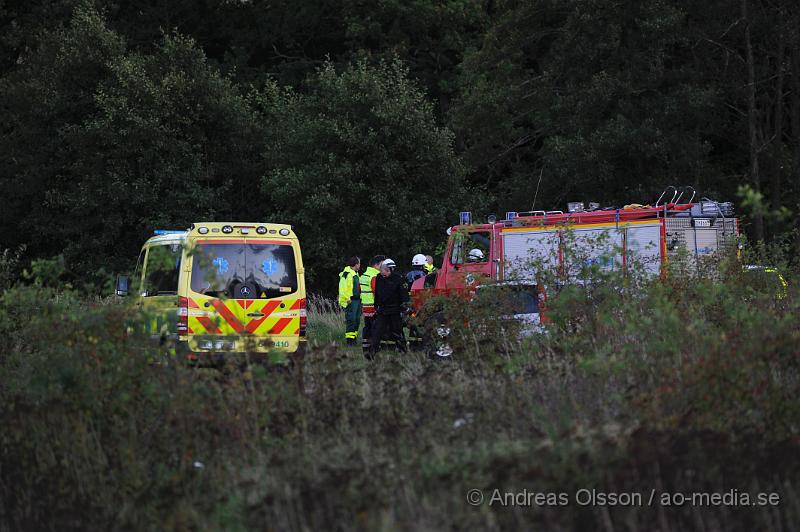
{"x": 436, "y": 338}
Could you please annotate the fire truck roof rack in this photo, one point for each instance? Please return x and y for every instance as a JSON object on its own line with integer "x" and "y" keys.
{"x": 538, "y": 213}
{"x": 619, "y": 215}
{"x": 676, "y": 205}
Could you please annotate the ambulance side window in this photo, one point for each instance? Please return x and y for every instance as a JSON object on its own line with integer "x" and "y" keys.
{"x": 162, "y": 269}
{"x": 137, "y": 280}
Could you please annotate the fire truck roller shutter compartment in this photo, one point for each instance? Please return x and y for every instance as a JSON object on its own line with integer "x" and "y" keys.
{"x": 643, "y": 247}
{"x": 525, "y": 249}
{"x": 597, "y": 246}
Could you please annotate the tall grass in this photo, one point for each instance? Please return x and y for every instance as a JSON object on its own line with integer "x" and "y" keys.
{"x": 682, "y": 387}
{"x": 325, "y": 320}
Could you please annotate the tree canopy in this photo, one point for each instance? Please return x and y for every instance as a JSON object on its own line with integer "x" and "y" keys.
{"x": 369, "y": 125}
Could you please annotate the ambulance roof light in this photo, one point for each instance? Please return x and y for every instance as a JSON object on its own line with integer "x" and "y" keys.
{"x": 168, "y": 232}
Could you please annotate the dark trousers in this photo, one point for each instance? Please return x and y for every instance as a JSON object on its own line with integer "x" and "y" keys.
{"x": 391, "y": 324}
{"x": 366, "y": 334}
{"x": 352, "y": 319}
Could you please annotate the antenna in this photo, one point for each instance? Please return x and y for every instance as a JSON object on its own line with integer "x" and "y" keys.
{"x": 535, "y": 194}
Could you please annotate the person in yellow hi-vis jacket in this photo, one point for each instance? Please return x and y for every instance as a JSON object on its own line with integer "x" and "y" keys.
{"x": 350, "y": 299}
{"x": 429, "y": 267}
{"x": 367, "y": 282}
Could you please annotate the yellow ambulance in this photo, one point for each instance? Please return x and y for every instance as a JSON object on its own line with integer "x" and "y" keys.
{"x": 223, "y": 288}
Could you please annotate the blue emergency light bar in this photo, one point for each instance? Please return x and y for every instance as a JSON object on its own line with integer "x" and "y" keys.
{"x": 168, "y": 232}
{"x": 465, "y": 217}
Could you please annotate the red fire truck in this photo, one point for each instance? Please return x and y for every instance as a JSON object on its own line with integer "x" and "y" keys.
{"x": 501, "y": 250}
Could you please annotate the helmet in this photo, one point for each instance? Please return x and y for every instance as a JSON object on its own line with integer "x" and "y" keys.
{"x": 475, "y": 254}
{"x": 418, "y": 260}
{"x": 388, "y": 263}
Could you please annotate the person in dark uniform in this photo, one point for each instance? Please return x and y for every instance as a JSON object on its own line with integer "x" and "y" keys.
{"x": 391, "y": 297}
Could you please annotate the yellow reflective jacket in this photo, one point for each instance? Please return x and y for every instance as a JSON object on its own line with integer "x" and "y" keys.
{"x": 365, "y": 282}
{"x": 348, "y": 286}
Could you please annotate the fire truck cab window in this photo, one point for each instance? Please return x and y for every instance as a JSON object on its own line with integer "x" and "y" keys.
{"x": 161, "y": 270}
{"x": 472, "y": 248}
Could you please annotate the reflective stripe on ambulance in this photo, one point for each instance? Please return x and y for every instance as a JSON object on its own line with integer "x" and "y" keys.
{"x": 221, "y": 319}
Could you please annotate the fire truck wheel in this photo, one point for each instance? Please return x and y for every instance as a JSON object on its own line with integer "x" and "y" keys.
{"x": 436, "y": 337}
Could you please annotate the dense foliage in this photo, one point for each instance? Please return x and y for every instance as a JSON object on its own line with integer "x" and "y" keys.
{"x": 367, "y": 126}
{"x": 122, "y": 117}
{"x": 678, "y": 388}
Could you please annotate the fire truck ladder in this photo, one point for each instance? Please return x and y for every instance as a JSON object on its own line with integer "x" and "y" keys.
{"x": 674, "y": 195}
{"x": 683, "y": 191}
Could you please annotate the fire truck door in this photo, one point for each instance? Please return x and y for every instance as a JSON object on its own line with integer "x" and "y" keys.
{"x": 472, "y": 257}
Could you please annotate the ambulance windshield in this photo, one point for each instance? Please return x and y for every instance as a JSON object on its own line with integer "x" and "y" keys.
{"x": 244, "y": 271}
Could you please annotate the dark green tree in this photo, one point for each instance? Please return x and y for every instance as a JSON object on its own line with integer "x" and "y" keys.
{"x": 172, "y": 142}
{"x": 50, "y": 90}
{"x": 586, "y": 100}
{"x": 430, "y": 37}
{"x": 106, "y": 144}
{"x": 284, "y": 39}
{"x": 360, "y": 166}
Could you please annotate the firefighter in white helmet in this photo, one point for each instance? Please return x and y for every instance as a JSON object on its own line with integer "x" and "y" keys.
{"x": 417, "y": 269}
{"x": 475, "y": 255}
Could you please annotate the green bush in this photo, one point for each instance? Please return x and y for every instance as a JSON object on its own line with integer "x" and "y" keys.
{"x": 677, "y": 386}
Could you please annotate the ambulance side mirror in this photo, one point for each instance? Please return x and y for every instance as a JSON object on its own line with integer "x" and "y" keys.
{"x": 123, "y": 285}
